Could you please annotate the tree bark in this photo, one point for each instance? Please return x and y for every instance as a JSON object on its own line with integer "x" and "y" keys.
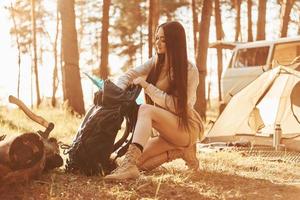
{"x": 141, "y": 43}
{"x": 72, "y": 81}
{"x": 238, "y": 20}
{"x": 249, "y": 20}
{"x": 219, "y": 36}
{"x": 299, "y": 27}
{"x": 261, "y": 21}
{"x": 104, "y": 70}
{"x": 285, "y": 16}
{"x": 202, "y": 56}
{"x": 152, "y": 24}
{"x": 55, "y": 73}
{"x": 62, "y": 72}
{"x": 195, "y": 25}
{"x": 33, "y": 21}
{"x": 19, "y": 48}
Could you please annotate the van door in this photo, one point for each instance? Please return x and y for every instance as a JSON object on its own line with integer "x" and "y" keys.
{"x": 247, "y": 64}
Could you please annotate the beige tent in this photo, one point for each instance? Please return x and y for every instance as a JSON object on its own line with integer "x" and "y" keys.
{"x": 251, "y": 115}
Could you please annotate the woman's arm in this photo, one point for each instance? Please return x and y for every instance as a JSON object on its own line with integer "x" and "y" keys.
{"x": 140, "y": 71}
{"x": 166, "y": 101}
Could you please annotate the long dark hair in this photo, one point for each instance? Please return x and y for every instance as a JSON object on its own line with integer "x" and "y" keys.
{"x": 176, "y": 56}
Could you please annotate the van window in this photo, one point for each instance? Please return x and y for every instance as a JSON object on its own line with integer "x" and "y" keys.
{"x": 250, "y": 57}
{"x": 285, "y": 53}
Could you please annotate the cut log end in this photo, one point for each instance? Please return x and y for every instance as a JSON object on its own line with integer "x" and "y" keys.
{"x": 25, "y": 151}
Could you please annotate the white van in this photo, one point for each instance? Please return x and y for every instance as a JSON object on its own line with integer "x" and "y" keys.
{"x": 251, "y": 59}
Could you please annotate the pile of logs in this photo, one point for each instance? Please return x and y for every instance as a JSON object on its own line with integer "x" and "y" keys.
{"x": 26, "y": 156}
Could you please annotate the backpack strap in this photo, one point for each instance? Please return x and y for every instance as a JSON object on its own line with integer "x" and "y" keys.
{"x": 122, "y": 145}
{"x": 128, "y": 129}
{"x": 130, "y": 126}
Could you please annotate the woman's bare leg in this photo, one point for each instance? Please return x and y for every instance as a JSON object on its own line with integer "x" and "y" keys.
{"x": 158, "y": 151}
{"x": 165, "y": 122}
{"x": 154, "y": 147}
{"x": 171, "y": 135}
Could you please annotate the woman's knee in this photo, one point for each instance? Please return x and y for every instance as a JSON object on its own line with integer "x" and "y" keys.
{"x": 145, "y": 110}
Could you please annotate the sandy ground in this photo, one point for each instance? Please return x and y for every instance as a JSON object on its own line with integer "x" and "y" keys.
{"x": 162, "y": 183}
{"x": 221, "y": 176}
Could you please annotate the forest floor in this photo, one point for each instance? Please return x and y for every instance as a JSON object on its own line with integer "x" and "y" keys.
{"x": 223, "y": 174}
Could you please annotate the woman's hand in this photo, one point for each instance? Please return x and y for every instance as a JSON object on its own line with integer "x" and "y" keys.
{"x": 140, "y": 81}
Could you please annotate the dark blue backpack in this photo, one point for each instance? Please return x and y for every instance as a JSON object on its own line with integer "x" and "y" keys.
{"x": 91, "y": 150}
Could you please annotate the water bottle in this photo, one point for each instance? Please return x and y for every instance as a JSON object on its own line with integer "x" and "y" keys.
{"x": 277, "y": 137}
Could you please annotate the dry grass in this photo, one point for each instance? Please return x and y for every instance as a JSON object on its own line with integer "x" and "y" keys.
{"x": 14, "y": 121}
{"x": 222, "y": 175}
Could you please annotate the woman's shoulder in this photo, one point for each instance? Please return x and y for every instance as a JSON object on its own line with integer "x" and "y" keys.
{"x": 145, "y": 67}
{"x": 192, "y": 66}
{"x": 193, "y": 73}
{"x": 150, "y": 62}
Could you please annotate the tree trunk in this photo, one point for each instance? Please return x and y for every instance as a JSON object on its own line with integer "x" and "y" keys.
{"x": 150, "y": 27}
{"x": 33, "y": 21}
{"x": 238, "y": 20}
{"x": 156, "y": 15}
{"x": 195, "y": 26}
{"x": 19, "y": 49}
{"x": 299, "y": 27}
{"x": 104, "y": 71}
{"x": 261, "y": 21}
{"x": 219, "y": 36}
{"x": 55, "y": 74}
{"x": 71, "y": 73}
{"x": 202, "y": 56}
{"x": 152, "y": 24}
{"x": 285, "y": 16}
{"x": 31, "y": 83}
{"x": 141, "y": 43}
{"x": 63, "y": 82}
{"x": 249, "y": 20}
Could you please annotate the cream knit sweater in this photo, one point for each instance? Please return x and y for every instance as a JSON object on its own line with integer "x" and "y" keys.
{"x": 157, "y": 93}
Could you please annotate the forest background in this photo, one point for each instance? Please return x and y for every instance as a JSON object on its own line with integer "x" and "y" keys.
{"x": 47, "y": 45}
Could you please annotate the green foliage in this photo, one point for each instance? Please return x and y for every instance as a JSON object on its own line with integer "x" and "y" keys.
{"x": 21, "y": 11}
{"x": 168, "y": 7}
{"x": 128, "y": 27}
{"x": 131, "y": 24}
{"x": 130, "y": 20}
{"x": 89, "y": 15}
